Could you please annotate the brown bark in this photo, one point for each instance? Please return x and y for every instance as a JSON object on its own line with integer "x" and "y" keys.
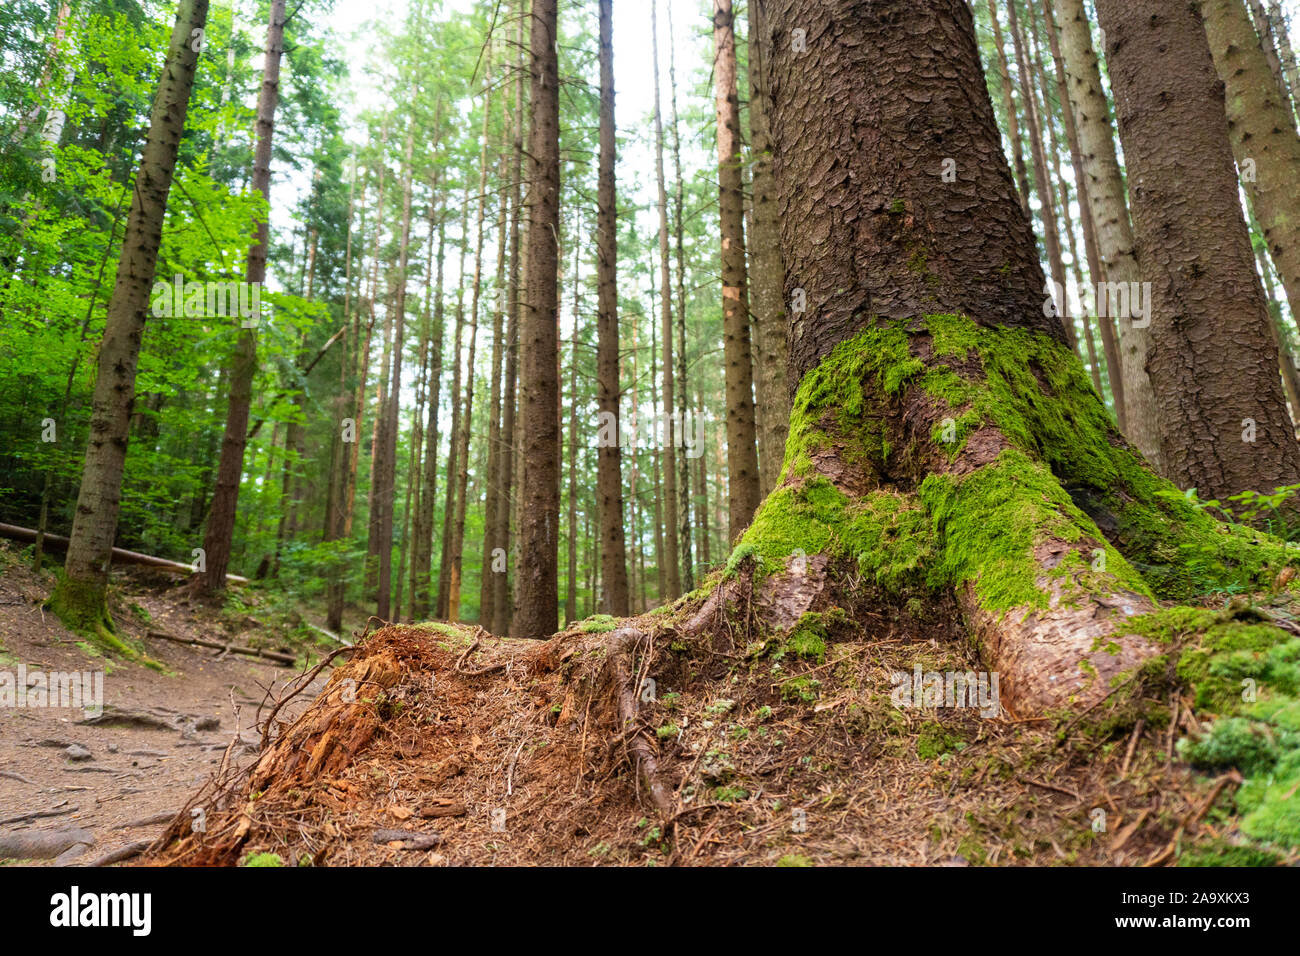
{"x": 683, "y": 460}
{"x": 742, "y": 453}
{"x": 509, "y": 459}
{"x": 1212, "y": 334}
{"x": 422, "y": 554}
{"x": 767, "y": 310}
{"x": 443, "y": 609}
{"x": 538, "y": 608}
{"x": 1262, "y": 130}
{"x": 609, "y": 468}
{"x": 80, "y": 594}
{"x": 670, "y": 434}
{"x": 221, "y": 516}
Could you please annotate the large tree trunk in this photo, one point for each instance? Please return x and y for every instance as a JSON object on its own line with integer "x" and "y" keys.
{"x": 609, "y": 468}
{"x": 936, "y": 403}
{"x": 1223, "y": 419}
{"x": 742, "y": 454}
{"x": 1110, "y": 217}
{"x": 225, "y": 499}
{"x": 1263, "y": 132}
{"x": 538, "y": 609}
{"x": 79, "y": 597}
{"x": 768, "y": 272}
{"x": 671, "y": 433}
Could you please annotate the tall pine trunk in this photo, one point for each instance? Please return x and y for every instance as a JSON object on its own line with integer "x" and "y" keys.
{"x": 609, "y": 468}
{"x": 80, "y": 596}
{"x": 218, "y": 541}
{"x": 538, "y": 594}
{"x": 742, "y": 454}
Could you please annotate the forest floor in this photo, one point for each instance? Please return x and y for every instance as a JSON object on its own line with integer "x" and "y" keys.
{"x": 163, "y": 731}
{"x": 459, "y": 748}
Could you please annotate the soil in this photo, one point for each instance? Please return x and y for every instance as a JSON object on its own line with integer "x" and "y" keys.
{"x": 202, "y": 700}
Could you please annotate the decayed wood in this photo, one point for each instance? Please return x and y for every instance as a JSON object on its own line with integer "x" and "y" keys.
{"x": 57, "y": 542}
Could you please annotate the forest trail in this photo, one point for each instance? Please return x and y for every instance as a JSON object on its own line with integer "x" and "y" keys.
{"x": 172, "y": 729}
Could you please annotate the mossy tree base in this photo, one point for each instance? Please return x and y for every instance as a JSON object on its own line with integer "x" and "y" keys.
{"x": 936, "y": 460}
{"x": 82, "y": 606}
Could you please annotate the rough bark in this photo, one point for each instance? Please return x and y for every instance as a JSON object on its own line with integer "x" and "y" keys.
{"x": 1212, "y": 329}
{"x": 767, "y": 310}
{"x": 1110, "y": 217}
{"x": 742, "y": 453}
{"x": 1262, "y": 129}
{"x": 538, "y": 609}
{"x": 79, "y": 597}
{"x": 221, "y": 516}
{"x": 954, "y": 346}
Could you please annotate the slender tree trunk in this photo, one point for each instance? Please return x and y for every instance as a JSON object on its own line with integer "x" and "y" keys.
{"x": 571, "y": 598}
{"x": 684, "y": 504}
{"x": 742, "y": 454}
{"x": 1009, "y": 110}
{"x": 1110, "y": 216}
{"x": 1096, "y": 272}
{"x": 221, "y": 516}
{"x": 79, "y": 598}
{"x": 1264, "y": 34}
{"x": 609, "y": 469}
{"x": 1262, "y": 130}
{"x": 487, "y": 590}
{"x": 1277, "y": 21}
{"x": 467, "y": 419}
{"x": 1222, "y": 414}
{"x": 671, "y": 435}
{"x": 538, "y": 610}
{"x": 509, "y": 459}
{"x": 768, "y": 272}
{"x": 422, "y": 557}
{"x": 1047, "y": 214}
{"x": 453, "y": 439}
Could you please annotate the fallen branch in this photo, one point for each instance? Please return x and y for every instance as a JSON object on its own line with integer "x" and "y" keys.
{"x": 57, "y": 542}
{"x": 288, "y": 659}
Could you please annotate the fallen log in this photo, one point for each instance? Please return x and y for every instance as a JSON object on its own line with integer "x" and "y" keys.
{"x": 287, "y": 659}
{"x": 57, "y": 542}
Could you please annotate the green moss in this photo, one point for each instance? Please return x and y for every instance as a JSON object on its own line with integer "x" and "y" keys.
{"x": 599, "y": 624}
{"x": 933, "y": 741}
{"x": 82, "y": 606}
{"x": 794, "y": 859}
{"x": 1220, "y": 853}
{"x": 264, "y": 859}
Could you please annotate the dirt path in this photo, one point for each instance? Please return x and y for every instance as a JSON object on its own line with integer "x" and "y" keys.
{"x": 120, "y": 772}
